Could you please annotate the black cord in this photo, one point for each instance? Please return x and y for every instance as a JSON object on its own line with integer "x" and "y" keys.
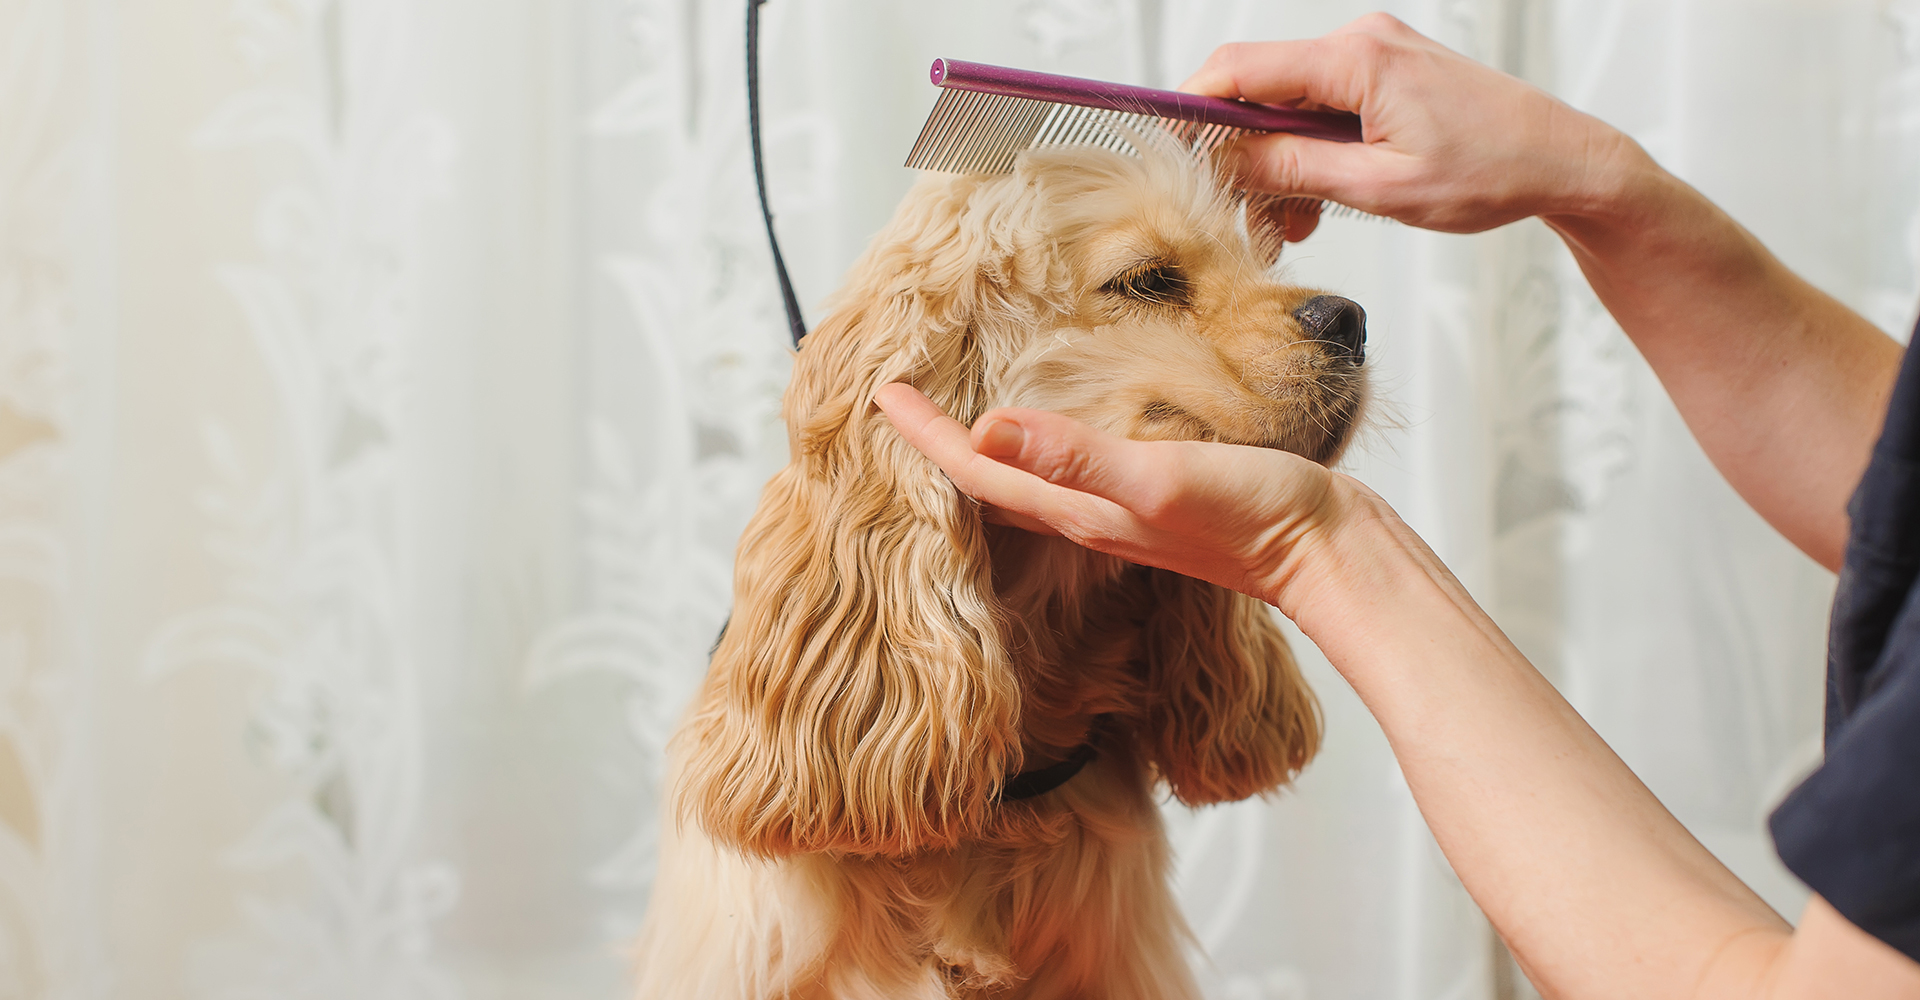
{"x": 796, "y": 324}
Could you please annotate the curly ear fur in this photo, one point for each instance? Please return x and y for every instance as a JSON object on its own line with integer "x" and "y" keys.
{"x": 1228, "y": 715}
{"x": 861, "y": 699}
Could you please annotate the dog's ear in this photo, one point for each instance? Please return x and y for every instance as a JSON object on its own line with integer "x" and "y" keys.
{"x": 862, "y": 699}
{"x": 1228, "y": 715}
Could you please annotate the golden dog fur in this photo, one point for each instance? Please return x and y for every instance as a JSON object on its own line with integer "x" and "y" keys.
{"x": 835, "y": 830}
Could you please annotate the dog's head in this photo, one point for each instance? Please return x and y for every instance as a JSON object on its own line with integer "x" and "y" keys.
{"x": 864, "y": 697}
{"x": 1173, "y": 327}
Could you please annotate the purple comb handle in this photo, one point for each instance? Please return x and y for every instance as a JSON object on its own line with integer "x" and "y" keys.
{"x": 1337, "y": 126}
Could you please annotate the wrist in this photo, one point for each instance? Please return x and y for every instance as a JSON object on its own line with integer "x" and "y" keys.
{"x": 1363, "y": 585}
{"x": 1613, "y": 186}
{"x": 1643, "y": 236}
{"x": 1359, "y": 546}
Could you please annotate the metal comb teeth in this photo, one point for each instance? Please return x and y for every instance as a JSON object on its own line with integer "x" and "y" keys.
{"x": 970, "y": 132}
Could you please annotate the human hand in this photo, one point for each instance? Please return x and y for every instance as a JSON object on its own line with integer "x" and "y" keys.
{"x": 1252, "y": 519}
{"x": 1450, "y": 144}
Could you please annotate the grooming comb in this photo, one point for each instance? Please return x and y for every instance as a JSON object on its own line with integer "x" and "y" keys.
{"x": 987, "y": 115}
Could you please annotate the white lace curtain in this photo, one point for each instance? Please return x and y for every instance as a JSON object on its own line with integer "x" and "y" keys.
{"x": 383, "y": 382}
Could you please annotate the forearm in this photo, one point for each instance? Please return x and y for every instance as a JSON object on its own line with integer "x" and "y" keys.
{"x": 1597, "y": 889}
{"x": 1783, "y": 386}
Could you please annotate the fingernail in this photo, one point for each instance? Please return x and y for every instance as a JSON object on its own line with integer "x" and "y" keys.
{"x": 1001, "y": 439}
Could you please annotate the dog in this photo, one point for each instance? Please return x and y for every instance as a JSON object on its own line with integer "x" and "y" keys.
{"x": 926, "y": 758}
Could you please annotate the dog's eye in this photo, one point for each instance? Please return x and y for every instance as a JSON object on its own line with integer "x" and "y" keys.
{"x": 1161, "y": 284}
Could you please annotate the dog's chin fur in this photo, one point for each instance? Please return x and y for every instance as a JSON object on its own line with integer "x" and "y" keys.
{"x": 834, "y": 829}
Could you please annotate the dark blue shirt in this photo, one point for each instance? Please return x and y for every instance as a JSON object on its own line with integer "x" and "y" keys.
{"x": 1851, "y": 831}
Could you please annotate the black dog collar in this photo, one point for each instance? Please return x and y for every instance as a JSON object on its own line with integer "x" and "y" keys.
{"x": 1041, "y": 780}
{"x": 1028, "y": 784}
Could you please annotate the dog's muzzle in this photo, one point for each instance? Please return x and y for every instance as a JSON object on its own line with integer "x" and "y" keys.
{"x": 1338, "y": 322}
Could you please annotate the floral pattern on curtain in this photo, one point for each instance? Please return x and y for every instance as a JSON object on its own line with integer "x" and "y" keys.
{"x": 312, "y": 547}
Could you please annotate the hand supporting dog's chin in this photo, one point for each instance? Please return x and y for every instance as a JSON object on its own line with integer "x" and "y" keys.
{"x": 1252, "y": 520}
{"x": 1321, "y": 440}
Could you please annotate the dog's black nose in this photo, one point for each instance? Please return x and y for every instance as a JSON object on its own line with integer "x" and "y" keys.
{"x": 1337, "y": 322}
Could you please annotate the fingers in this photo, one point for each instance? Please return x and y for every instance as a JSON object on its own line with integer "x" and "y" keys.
{"x": 1332, "y": 72}
{"x": 923, "y": 424}
{"x": 1022, "y": 497}
{"x": 1224, "y": 513}
{"x": 994, "y": 515}
{"x": 1271, "y": 73}
{"x": 1072, "y": 455}
{"x": 1349, "y": 173}
{"x": 1290, "y": 220}
{"x": 945, "y": 441}
{"x": 1335, "y": 70}
{"x": 1342, "y": 70}
{"x": 1380, "y": 23}
{"x": 1301, "y": 220}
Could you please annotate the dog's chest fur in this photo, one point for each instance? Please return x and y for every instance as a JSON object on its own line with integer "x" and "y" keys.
{"x": 1074, "y": 623}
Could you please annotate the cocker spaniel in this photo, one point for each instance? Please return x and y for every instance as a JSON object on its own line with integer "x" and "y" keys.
{"x": 924, "y": 761}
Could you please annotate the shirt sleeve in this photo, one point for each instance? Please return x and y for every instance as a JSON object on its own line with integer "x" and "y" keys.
{"x": 1851, "y": 831}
